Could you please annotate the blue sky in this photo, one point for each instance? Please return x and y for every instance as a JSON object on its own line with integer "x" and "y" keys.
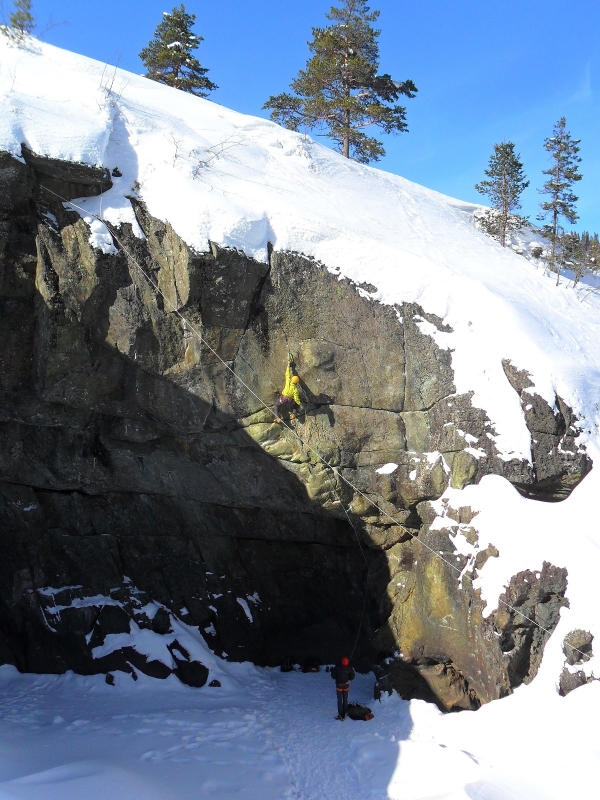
{"x": 486, "y": 71}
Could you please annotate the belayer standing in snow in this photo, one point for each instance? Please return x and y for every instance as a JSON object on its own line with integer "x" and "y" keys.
{"x": 289, "y": 400}
{"x": 342, "y": 674}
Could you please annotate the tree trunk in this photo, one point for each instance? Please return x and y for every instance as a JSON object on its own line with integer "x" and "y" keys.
{"x": 555, "y": 222}
{"x": 346, "y": 134}
{"x": 553, "y": 256}
{"x": 504, "y": 213}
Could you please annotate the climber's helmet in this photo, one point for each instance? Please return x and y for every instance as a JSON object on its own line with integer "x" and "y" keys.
{"x": 344, "y": 662}
{"x": 295, "y": 379}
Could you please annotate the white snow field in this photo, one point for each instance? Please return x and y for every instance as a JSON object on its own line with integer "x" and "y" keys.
{"x": 242, "y": 182}
{"x": 266, "y": 735}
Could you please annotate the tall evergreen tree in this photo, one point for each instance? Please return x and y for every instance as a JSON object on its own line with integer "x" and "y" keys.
{"x": 21, "y": 20}
{"x": 562, "y": 174}
{"x": 168, "y": 57}
{"x": 504, "y": 188}
{"x": 340, "y": 90}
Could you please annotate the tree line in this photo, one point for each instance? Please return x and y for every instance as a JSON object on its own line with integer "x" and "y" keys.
{"x": 505, "y": 183}
{"x": 341, "y": 92}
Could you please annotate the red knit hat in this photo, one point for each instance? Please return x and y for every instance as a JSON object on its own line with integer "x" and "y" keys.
{"x": 344, "y": 662}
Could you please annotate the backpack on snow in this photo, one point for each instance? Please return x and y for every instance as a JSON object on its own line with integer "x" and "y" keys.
{"x": 358, "y": 712}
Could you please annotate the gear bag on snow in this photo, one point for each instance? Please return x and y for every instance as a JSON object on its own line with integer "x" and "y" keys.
{"x": 358, "y": 712}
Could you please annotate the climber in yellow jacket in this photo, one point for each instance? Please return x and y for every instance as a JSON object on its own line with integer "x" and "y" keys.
{"x": 289, "y": 401}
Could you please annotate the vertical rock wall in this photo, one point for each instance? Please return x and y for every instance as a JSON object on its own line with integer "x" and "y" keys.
{"x": 131, "y": 456}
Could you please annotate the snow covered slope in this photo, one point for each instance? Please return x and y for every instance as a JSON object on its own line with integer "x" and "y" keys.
{"x": 241, "y": 182}
{"x": 244, "y": 182}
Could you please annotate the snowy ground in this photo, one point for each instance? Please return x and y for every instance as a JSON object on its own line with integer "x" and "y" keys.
{"x": 266, "y": 735}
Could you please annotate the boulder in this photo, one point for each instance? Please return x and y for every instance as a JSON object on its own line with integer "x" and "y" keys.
{"x": 572, "y": 680}
{"x": 577, "y": 647}
{"x": 191, "y": 672}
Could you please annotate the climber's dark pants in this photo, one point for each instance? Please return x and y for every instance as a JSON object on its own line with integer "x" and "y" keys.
{"x": 284, "y": 405}
{"x": 342, "y": 698}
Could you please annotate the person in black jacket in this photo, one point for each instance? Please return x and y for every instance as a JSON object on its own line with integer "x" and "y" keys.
{"x": 342, "y": 674}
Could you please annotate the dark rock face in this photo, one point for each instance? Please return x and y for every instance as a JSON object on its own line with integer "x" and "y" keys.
{"x": 572, "y": 680}
{"x": 558, "y": 463}
{"x": 66, "y": 178}
{"x": 447, "y": 649}
{"x": 530, "y": 598}
{"x": 55, "y": 630}
{"x": 128, "y": 449}
{"x": 577, "y": 648}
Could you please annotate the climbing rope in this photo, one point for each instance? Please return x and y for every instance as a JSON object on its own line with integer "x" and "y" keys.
{"x": 362, "y": 552}
{"x": 186, "y": 324}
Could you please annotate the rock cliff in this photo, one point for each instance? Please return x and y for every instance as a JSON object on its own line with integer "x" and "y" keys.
{"x": 135, "y": 469}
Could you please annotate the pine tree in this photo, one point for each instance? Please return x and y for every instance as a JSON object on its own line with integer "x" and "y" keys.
{"x": 340, "y": 90}
{"x": 562, "y": 174}
{"x": 21, "y": 21}
{"x": 168, "y": 57}
{"x": 505, "y": 187}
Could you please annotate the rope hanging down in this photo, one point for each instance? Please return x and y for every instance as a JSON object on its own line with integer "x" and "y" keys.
{"x": 188, "y": 325}
{"x": 362, "y": 552}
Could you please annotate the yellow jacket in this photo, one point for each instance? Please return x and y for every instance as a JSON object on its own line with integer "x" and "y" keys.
{"x": 291, "y": 390}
